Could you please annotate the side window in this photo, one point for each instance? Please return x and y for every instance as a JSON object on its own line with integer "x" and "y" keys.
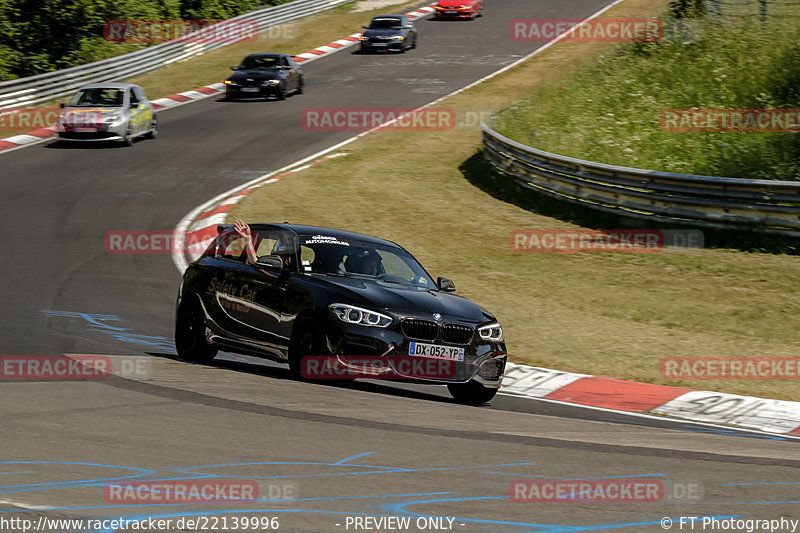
{"x": 134, "y": 98}
{"x": 231, "y": 247}
{"x": 306, "y": 258}
{"x": 139, "y": 94}
{"x": 284, "y": 61}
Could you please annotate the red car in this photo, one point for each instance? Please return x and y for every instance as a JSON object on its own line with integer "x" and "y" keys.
{"x": 459, "y": 9}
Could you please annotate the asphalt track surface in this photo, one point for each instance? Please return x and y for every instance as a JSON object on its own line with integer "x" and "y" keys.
{"x": 319, "y": 453}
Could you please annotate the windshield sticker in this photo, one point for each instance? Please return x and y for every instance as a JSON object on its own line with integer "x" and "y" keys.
{"x": 325, "y": 239}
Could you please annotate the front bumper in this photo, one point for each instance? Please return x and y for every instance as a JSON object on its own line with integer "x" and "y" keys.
{"x": 100, "y": 133}
{"x": 484, "y": 361}
{"x": 454, "y": 13}
{"x": 252, "y": 92}
{"x": 381, "y": 46}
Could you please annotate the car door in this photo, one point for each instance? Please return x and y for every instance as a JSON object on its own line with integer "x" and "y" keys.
{"x": 295, "y": 70}
{"x": 137, "y": 112}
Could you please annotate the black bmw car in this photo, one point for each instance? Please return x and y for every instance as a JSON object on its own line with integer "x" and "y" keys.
{"x": 389, "y": 32}
{"x": 318, "y": 292}
{"x": 265, "y": 75}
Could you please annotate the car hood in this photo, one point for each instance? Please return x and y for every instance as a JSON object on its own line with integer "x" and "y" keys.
{"x": 453, "y": 3}
{"x": 391, "y": 297}
{"x": 241, "y": 75}
{"x": 384, "y": 32}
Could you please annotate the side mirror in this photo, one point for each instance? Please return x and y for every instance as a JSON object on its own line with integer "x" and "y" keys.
{"x": 445, "y": 285}
{"x": 272, "y": 262}
{"x": 365, "y": 27}
{"x": 234, "y": 68}
{"x": 62, "y": 105}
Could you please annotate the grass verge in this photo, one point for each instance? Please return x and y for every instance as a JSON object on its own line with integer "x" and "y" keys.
{"x": 605, "y": 314}
{"x": 611, "y": 111}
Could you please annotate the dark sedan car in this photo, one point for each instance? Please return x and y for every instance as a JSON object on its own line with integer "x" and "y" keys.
{"x": 319, "y": 292}
{"x": 389, "y": 32}
{"x": 265, "y": 75}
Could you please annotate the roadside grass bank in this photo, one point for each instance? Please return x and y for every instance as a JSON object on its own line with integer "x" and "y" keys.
{"x": 214, "y": 66}
{"x": 611, "y": 111}
{"x": 604, "y": 314}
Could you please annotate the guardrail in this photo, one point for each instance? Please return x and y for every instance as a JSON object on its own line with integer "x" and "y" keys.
{"x": 51, "y": 85}
{"x": 767, "y": 206}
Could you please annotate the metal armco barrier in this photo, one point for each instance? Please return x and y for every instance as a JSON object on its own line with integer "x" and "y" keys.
{"x": 764, "y": 206}
{"x": 44, "y": 87}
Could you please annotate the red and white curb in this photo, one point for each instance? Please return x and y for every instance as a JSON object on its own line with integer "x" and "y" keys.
{"x": 201, "y": 93}
{"x": 714, "y": 408}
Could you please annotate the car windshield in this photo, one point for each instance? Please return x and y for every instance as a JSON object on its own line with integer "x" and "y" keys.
{"x": 331, "y": 256}
{"x": 385, "y": 24}
{"x": 98, "y": 96}
{"x": 258, "y": 63}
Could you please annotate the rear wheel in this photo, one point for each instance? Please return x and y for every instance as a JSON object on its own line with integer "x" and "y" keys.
{"x": 153, "y": 133}
{"x": 190, "y": 334}
{"x": 471, "y": 393}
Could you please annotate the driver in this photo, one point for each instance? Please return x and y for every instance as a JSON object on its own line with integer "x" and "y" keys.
{"x": 364, "y": 262}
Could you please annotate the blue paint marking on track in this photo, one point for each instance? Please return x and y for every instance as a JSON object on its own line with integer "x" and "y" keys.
{"x": 98, "y": 323}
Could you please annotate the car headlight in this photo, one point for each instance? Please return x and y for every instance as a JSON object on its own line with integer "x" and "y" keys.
{"x": 230, "y": 82}
{"x": 491, "y": 332}
{"x": 357, "y": 315}
{"x": 362, "y": 38}
{"x": 112, "y": 118}
{"x": 398, "y": 37}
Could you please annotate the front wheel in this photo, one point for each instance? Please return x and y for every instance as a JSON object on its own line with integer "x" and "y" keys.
{"x": 127, "y": 139}
{"x": 307, "y": 340}
{"x": 471, "y": 393}
{"x": 190, "y": 334}
{"x": 300, "y": 86}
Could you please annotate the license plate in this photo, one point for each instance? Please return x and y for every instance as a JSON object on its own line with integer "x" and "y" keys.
{"x": 432, "y": 350}
{"x": 249, "y": 89}
{"x": 451, "y": 12}
{"x": 84, "y": 130}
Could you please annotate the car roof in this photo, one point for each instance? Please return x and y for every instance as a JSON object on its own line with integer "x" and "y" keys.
{"x": 268, "y": 54}
{"x": 109, "y": 85}
{"x": 344, "y": 235}
{"x": 388, "y": 17}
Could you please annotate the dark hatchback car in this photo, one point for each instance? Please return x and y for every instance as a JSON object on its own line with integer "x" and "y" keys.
{"x": 265, "y": 75}
{"x": 389, "y": 32}
{"x": 324, "y": 292}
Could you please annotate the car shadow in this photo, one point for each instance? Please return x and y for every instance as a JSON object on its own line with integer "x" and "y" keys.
{"x": 281, "y": 372}
{"x": 96, "y": 145}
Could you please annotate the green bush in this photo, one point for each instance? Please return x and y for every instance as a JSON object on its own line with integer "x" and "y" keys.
{"x": 39, "y": 36}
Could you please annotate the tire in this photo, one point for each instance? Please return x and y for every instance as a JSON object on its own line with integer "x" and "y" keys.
{"x": 471, "y": 393}
{"x": 153, "y": 133}
{"x": 300, "y": 86}
{"x": 127, "y": 139}
{"x": 307, "y": 339}
{"x": 281, "y": 94}
{"x": 190, "y": 334}
{"x": 415, "y": 43}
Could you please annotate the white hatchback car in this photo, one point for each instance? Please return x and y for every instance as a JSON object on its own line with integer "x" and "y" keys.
{"x": 108, "y": 112}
